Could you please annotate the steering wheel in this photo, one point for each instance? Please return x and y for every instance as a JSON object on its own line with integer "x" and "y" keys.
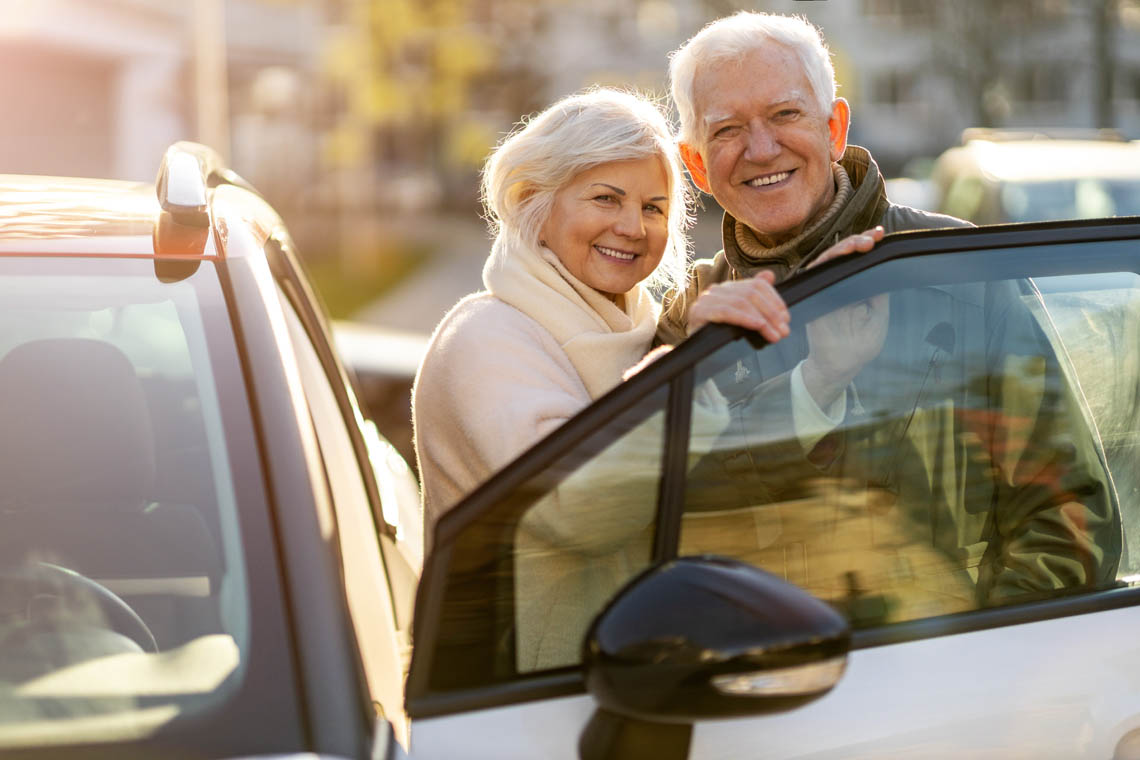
{"x": 69, "y": 594}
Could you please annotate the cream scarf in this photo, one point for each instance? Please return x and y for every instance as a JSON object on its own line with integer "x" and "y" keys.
{"x": 601, "y": 338}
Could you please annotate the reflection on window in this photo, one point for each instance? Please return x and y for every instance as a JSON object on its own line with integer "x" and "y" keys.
{"x": 580, "y": 543}
{"x": 526, "y": 579}
{"x": 963, "y": 466}
{"x": 123, "y": 602}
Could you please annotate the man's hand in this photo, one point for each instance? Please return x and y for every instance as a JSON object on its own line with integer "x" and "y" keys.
{"x": 858, "y": 243}
{"x": 841, "y": 343}
{"x": 752, "y": 303}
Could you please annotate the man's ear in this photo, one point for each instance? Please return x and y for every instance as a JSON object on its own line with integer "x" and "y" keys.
{"x": 696, "y": 166}
{"x": 838, "y": 124}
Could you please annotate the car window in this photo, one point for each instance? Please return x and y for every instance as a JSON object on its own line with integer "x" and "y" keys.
{"x": 1070, "y": 199}
{"x": 531, "y": 575}
{"x": 978, "y": 457}
{"x": 124, "y": 601}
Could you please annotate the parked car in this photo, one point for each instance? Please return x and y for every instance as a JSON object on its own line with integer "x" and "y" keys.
{"x": 203, "y": 550}
{"x": 998, "y": 176}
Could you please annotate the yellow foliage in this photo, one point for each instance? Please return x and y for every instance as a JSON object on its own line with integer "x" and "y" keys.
{"x": 344, "y": 146}
{"x": 462, "y": 55}
{"x": 470, "y": 142}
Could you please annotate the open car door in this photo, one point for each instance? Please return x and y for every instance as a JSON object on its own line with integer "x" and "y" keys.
{"x": 969, "y": 505}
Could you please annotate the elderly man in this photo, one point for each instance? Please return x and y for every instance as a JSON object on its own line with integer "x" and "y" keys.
{"x": 848, "y": 421}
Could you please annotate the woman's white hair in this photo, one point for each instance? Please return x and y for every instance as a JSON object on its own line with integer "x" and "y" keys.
{"x": 733, "y": 37}
{"x": 575, "y": 134}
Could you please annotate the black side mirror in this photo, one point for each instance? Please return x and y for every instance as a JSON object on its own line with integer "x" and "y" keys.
{"x": 706, "y": 637}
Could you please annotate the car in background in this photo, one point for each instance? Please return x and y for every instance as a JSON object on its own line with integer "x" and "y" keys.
{"x": 203, "y": 547}
{"x": 998, "y": 176}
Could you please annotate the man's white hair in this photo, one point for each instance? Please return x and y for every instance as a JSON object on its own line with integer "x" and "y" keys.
{"x": 733, "y": 37}
{"x": 575, "y": 134}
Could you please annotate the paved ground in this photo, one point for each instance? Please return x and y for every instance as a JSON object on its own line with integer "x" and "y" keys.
{"x": 418, "y": 303}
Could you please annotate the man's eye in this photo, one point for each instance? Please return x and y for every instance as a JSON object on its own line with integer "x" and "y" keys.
{"x": 787, "y": 113}
{"x": 727, "y": 131}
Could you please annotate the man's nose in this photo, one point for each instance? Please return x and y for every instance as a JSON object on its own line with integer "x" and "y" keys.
{"x": 762, "y": 142}
{"x": 629, "y": 223}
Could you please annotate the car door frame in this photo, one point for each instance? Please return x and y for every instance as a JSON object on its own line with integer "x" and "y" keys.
{"x": 676, "y": 370}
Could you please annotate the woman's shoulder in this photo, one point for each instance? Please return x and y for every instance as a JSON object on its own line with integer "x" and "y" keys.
{"x": 487, "y": 355}
{"x": 481, "y": 321}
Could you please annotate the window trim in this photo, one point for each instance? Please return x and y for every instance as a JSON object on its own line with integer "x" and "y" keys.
{"x": 678, "y": 364}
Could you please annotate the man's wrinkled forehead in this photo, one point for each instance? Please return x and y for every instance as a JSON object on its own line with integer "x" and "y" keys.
{"x": 723, "y": 87}
{"x": 717, "y": 113}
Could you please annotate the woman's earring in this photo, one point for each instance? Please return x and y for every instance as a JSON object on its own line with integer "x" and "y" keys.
{"x": 542, "y": 243}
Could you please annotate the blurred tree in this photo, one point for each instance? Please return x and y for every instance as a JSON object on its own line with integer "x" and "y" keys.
{"x": 423, "y": 87}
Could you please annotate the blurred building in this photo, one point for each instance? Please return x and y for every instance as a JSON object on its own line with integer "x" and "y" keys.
{"x": 917, "y": 72}
{"x": 101, "y": 87}
{"x": 395, "y": 103}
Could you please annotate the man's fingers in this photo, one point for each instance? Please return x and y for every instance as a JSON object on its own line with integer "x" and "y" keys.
{"x": 857, "y": 243}
{"x": 752, "y": 303}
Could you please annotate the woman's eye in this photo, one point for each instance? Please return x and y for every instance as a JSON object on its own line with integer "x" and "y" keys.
{"x": 654, "y": 209}
{"x": 605, "y": 198}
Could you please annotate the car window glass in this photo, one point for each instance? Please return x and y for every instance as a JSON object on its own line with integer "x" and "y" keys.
{"x": 364, "y": 576}
{"x": 579, "y": 543}
{"x": 974, "y": 460}
{"x": 529, "y": 576}
{"x": 118, "y": 499}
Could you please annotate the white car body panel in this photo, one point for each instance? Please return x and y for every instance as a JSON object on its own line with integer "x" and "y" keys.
{"x": 1063, "y": 688}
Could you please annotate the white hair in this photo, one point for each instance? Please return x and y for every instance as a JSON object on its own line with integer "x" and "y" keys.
{"x": 733, "y": 37}
{"x": 577, "y": 133}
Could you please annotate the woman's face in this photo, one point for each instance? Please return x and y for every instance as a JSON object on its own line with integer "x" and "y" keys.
{"x": 609, "y": 224}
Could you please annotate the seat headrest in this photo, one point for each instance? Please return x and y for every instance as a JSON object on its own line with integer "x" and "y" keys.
{"x": 74, "y": 427}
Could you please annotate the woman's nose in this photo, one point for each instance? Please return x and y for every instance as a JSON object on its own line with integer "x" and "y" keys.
{"x": 629, "y": 223}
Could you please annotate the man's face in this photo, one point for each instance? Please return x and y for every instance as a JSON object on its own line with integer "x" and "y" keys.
{"x": 764, "y": 148}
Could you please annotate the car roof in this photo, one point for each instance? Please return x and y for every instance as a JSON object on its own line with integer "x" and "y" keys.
{"x": 71, "y": 215}
{"x": 1041, "y": 160}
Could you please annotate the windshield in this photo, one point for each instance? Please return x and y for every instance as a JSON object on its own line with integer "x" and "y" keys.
{"x": 123, "y": 599}
{"x": 1083, "y": 198}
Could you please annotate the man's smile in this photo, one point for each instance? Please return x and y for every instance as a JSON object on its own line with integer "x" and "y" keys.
{"x": 768, "y": 179}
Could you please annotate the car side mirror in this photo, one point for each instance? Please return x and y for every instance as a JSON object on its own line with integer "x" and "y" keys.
{"x": 704, "y": 637}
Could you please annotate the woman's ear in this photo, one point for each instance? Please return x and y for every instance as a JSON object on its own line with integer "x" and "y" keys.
{"x": 696, "y": 166}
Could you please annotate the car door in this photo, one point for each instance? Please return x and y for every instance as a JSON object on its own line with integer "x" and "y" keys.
{"x": 972, "y": 506}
